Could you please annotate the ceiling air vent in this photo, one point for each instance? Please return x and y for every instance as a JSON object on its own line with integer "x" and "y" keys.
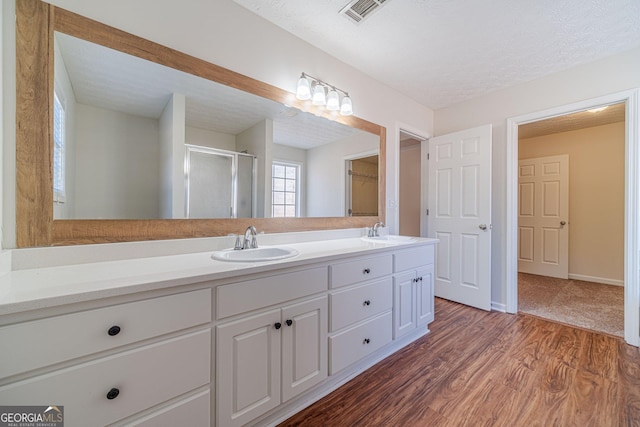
{"x": 357, "y": 10}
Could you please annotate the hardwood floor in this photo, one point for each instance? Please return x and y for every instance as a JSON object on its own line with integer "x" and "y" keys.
{"x": 477, "y": 368}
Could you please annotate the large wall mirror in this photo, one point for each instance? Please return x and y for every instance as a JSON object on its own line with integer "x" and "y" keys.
{"x": 160, "y": 145}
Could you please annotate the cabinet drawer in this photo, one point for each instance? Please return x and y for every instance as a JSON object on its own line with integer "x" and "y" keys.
{"x": 351, "y": 272}
{"x": 351, "y": 345}
{"x": 356, "y": 304}
{"x": 413, "y": 258}
{"x": 193, "y": 411}
{"x": 65, "y": 337}
{"x": 144, "y": 377}
{"x": 249, "y": 295}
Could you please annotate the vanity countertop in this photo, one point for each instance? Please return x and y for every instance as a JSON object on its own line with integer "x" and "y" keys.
{"x": 29, "y": 289}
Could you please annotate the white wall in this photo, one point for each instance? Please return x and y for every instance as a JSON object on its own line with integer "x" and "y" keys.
{"x": 172, "y": 152}
{"x": 258, "y": 140}
{"x": 226, "y": 34}
{"x": 209, "y": 138}
{"x": 614, "y": 74}
{"x": 326, "y": 172}
{"x": 118, "y": 171}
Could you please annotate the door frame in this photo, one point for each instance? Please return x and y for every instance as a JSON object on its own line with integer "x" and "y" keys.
{"x": 631, "y": 207}
{"x": 423, "y": 136}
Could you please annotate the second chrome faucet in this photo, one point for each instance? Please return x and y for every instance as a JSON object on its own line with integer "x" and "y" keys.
{"x": 373, "y": 231}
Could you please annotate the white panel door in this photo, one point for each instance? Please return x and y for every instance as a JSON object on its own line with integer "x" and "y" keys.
{"x": 460, "y": 215}
{"x": 543, "y": 216}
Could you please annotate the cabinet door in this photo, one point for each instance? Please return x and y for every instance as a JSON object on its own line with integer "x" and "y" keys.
{"x": 424, "y": 296}
{"x": 404, "y": 307}
{"x": 304, "y": 346}
{"x": 248, "y": 368}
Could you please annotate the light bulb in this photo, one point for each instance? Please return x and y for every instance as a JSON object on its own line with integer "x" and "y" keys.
{"x": 318, "y": 96}
{"x": 333, "y": 100}
{"x": 303, "y": 90}
{"x": 346, "y": 109}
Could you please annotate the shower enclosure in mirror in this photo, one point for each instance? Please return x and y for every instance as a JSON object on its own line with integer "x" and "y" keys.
{"x": 220, "y": 184}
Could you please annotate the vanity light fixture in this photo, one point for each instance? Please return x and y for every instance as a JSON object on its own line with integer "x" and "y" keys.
{"x": 322, "y": 93}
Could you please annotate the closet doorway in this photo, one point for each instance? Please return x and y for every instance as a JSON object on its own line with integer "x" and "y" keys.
{"x": 362, "y": 185}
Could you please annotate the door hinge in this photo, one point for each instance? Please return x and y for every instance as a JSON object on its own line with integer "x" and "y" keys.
{"x": 427, "y": 212}
{"x": 428, "y": 156}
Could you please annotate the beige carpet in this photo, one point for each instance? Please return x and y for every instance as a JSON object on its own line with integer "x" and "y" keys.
{"x": 587, "y": 305}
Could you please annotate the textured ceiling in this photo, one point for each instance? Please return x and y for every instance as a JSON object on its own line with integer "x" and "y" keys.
{"x": 580, "y": 120}
{"x": 116, "y": 81}
{"x": 441, "y": 52}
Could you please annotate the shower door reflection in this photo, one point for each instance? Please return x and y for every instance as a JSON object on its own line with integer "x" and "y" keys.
{"x": 219, "y": 183}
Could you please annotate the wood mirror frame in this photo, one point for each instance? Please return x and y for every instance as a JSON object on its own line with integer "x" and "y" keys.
{"x": 36, "y": 22}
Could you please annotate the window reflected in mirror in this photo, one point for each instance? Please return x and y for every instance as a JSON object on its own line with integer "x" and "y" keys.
{"x": 285, "y": 193}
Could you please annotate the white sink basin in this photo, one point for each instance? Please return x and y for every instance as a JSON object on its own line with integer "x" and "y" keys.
{"x": 266, "y": 253}
{"x": 389, "y": 239}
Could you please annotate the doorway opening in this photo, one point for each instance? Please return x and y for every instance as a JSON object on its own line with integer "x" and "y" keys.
{"x": 412, "y": 184}
{"x": 362, "y": 185}
{"x": 631, "y": 202}
{"x": 571, "y": 218}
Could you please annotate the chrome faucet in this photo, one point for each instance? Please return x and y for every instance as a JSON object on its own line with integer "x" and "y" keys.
{"x": 373, "y": 231}
{"x": 250, "y": 240}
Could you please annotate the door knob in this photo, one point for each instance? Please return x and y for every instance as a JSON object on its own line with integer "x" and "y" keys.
{"x": 483, "y": 227}
{"x": 563, "y": 223}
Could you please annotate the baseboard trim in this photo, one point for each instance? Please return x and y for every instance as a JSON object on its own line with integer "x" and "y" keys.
{"x": 498, "y": 306}
{"x": 603, "y": 280}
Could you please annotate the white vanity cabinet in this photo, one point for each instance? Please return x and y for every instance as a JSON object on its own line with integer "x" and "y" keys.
{"x": 361, "y": 303}
{"x": 144, "y": 348}
{"x": 412, "y": 289}
{"x": 267, "y": 358}
{"x": 107, "y": 364}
